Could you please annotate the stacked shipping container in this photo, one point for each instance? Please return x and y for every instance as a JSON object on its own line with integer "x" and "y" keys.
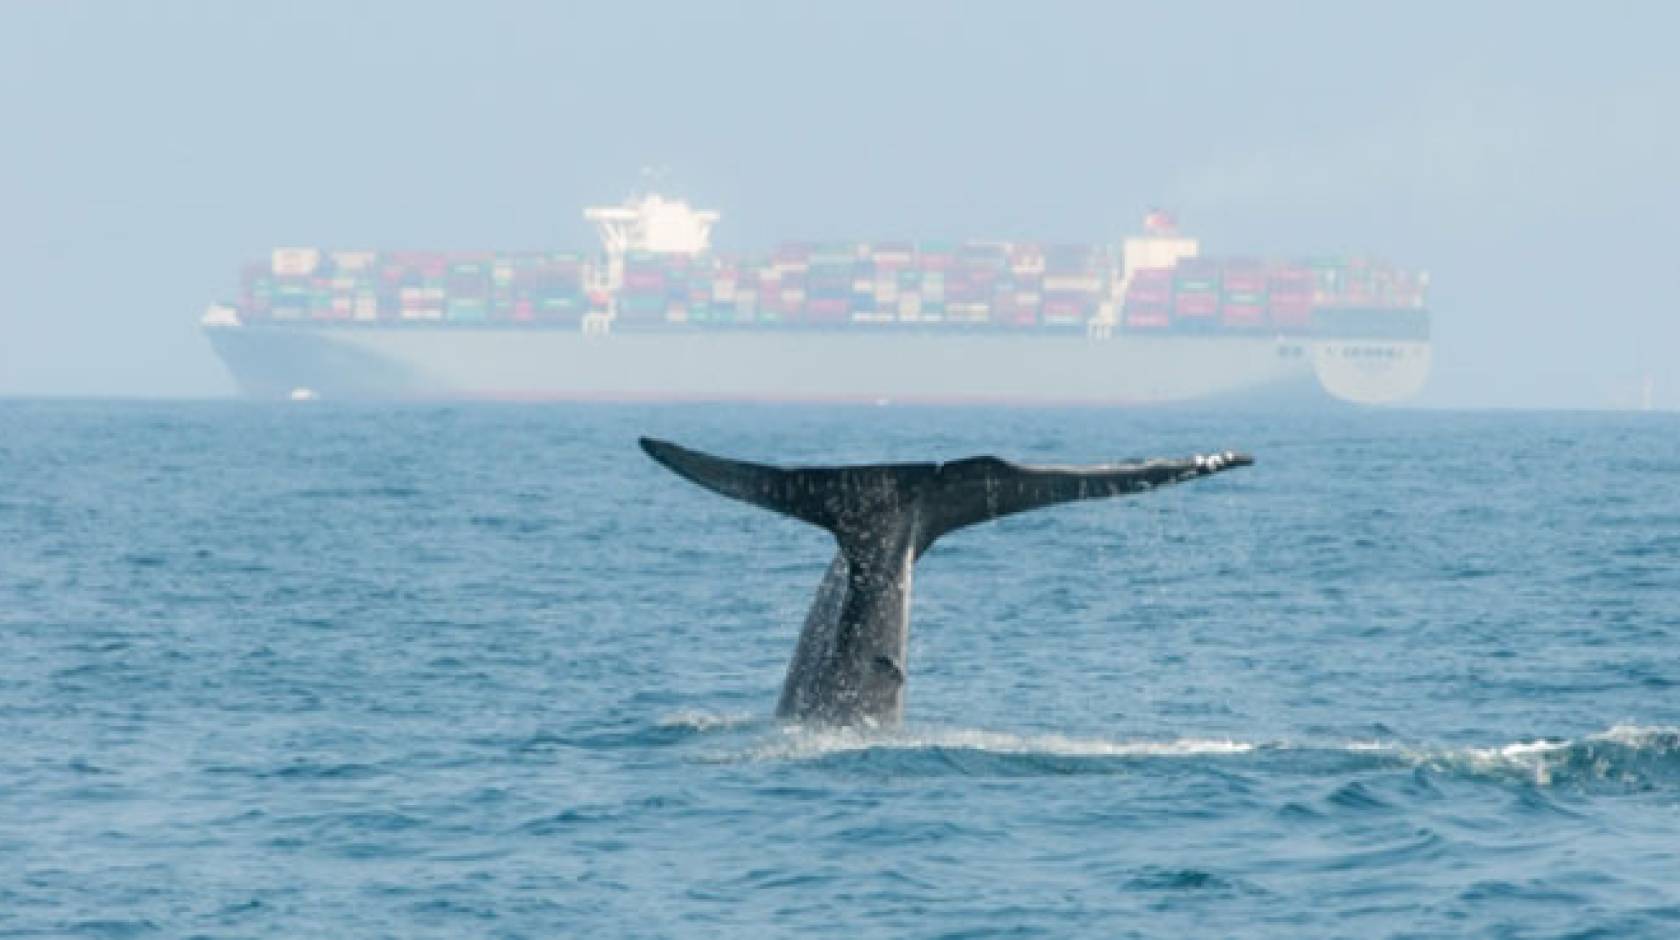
{"x": 415, "y": 286}
{"x": 951, "y": 286}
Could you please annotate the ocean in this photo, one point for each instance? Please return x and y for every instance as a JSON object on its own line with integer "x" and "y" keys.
{"x": 321, "y": 670}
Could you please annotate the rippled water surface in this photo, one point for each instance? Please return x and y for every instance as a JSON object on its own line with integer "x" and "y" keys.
{"x": 319, "y": 671}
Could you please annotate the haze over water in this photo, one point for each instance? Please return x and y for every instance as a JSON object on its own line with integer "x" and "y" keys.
{"x": 321, "y": 670}
{"x": 1522, "y": 153}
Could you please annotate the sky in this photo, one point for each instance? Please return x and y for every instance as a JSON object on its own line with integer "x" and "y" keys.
{"x": 1526, "y": 154}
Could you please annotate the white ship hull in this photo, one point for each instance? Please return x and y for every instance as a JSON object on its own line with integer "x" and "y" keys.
{"x": 444, "y": 361}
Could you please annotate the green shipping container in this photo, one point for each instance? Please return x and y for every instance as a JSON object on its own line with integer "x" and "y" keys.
{"x": 641, "y": 303}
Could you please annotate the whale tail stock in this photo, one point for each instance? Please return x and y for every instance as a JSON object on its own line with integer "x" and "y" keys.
{"x": 854, "y": 502}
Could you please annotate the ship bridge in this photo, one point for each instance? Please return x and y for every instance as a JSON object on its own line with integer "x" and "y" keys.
{"x": 649, "y": 223}
{"x": 1160, "y": 246}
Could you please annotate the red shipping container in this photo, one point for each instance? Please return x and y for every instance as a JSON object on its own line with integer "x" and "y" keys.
{"x": 1199, "y": 305}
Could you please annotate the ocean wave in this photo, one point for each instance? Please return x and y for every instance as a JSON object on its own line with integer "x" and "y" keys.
{"x": 1630, "y": 756}
{"x": 968, "y": 751}
{"x": 702, "y": 721}
{"x": 1625, "y": 756}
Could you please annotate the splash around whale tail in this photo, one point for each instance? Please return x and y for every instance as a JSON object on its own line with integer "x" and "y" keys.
{"x": 935, "y": 498}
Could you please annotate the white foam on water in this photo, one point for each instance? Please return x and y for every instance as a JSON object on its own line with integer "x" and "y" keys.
{"x": 1528, "y": 758}
{"x": 1655, "y": 738}
{"x": 696, "y": 720}
{"x": 1538, "y": 759}
{"x": 1542, "y": 759}
{"x": 801, "y": 743}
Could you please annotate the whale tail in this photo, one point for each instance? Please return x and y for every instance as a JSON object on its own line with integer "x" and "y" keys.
{"x": 855, "y": 501}
{"x": 849, "y": 665}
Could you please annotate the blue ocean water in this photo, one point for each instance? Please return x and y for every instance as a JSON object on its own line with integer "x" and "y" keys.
{"x": 321, "y": 670}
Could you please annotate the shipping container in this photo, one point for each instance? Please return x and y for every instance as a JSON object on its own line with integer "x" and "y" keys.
{"x": 1196, "y": 305}
{"x": 295, "y": 262}
{"x": 943, "y": 285}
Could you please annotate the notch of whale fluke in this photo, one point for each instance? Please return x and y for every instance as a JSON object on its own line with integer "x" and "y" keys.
{"x": 850, "y": 663}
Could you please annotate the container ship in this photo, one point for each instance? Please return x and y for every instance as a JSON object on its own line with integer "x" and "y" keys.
{"x": 656, "y": 314}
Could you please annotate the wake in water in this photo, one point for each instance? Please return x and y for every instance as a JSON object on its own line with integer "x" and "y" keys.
{"x": 1625, "y": 756}
{"x": 1630, "y": 755}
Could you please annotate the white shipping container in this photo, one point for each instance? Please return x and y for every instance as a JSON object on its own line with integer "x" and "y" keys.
{"x": 353, "y": 260}
{"x": 1072, "y": 282}
{"x": 294, "y": 262}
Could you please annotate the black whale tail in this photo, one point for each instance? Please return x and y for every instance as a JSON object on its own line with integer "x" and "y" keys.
{"x": 934, "y": 498}
{"x": 844, "y": 500}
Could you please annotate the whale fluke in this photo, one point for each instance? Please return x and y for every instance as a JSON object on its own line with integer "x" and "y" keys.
{"x": 849, "y": 666}
{"x": 847, "y": 501}
{"x": 856, "y": 500}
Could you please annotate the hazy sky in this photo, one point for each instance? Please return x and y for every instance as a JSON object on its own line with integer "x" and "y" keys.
{"x": 1528, "y": 155}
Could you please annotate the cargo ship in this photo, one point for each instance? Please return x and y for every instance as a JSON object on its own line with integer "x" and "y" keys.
{"x": 657, "y": 314}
